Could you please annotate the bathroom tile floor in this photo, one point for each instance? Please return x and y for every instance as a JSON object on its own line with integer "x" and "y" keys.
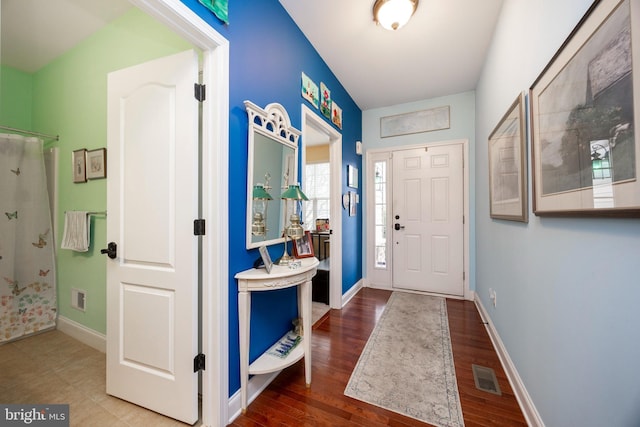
{"x": 52, "y": 367}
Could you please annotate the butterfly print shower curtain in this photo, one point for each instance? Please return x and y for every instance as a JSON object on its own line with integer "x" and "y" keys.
{"x": 27, "y": 269}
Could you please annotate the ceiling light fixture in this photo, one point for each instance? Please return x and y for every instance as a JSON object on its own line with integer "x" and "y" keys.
{"x": 393, "y": 14}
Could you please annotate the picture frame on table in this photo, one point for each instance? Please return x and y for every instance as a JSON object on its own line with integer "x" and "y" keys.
{"x": 507, "y": 165}
{"x": 266, "y": 258}
{"x": 584, "y": 107}
{"x": 78, "y": 162}
{"x": 303, "y": 247}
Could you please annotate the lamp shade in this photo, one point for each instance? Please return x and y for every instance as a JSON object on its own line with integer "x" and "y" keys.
{"x": 393, "y": 14}
{"x": 294, "y": 193}
{"x": 260, "y": 193}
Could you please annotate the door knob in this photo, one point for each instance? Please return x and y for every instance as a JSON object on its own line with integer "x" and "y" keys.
{"x": 111, "y": 251}
{"x": 398, "y": 226}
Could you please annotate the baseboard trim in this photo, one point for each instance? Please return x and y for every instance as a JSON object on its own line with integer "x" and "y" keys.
{"x": 524, "y": 399}
{"x": 82, "y": 333}
{"x": 256, "y": 385}
{"x": 346, "y": 297}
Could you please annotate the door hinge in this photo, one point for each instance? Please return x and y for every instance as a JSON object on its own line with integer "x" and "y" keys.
{"x": 199, "y": 91}
{"x": 198, "y": 363}
{"x": 198, "y": 227}
{"x": 464, "y": 275}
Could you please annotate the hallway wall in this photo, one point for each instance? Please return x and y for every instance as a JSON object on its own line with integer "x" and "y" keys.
{"x": 567, "y": 288}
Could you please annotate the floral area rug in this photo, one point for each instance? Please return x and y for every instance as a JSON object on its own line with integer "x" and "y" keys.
{"x": 407, "y": 364}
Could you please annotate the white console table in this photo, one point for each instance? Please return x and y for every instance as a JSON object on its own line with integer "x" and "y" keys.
{"x": 258, "y": 280}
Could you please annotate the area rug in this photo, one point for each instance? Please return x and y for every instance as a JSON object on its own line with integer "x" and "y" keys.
{"x": 407, "y": 364}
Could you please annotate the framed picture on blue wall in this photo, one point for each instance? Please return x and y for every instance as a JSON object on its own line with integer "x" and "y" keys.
{"x": 310, "y": 90}
{"x": 325, "y": 101}
{"x": 352, "y": 176}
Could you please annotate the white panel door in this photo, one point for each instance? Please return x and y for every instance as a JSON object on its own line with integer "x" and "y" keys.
{"x": 428, "y": 208}
{"x": 152, "y": 200}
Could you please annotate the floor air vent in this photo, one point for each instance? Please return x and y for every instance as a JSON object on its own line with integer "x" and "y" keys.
{"x": 485, "y": 379}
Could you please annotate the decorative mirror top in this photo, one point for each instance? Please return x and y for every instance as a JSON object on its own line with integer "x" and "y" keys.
{"x": 273, "y": 120}
{"x": 272, "y": 166}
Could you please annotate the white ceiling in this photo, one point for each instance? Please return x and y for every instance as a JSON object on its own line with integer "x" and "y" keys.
{"x": 439, "y": 52}
{"x": 34, "y": 32}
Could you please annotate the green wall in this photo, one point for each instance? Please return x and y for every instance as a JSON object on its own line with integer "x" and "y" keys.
{"x": 70, "y": 99}
{"x": 16, "y": 96}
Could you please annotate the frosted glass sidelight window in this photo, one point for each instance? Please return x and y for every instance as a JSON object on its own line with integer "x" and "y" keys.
{"x": 317, "y": 187}
{"x": 380, "y": 220}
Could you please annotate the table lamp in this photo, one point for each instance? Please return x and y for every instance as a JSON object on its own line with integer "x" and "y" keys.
{"x": 294, "y": 230}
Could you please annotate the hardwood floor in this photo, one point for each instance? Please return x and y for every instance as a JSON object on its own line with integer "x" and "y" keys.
{"x": 338, "y": 340}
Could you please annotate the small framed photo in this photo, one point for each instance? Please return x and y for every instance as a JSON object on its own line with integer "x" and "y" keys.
{"x": 303, "y": 247}
{"x": 97, "y": 163}
{"x": 266, "y": 259}
{"x": 353, "y": 201}
{"x": 79, "y": 166}
{"x": 310, "y": 91}
{"x": 336, "y": 115}
{"x": 352, "y": 176}
{"x": 507, "y": 165}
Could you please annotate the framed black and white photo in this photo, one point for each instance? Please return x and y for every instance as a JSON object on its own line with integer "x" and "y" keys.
{"x": 97, "y": 163}
{"x": 507, "y": 165}
{"x": 584, "y": 106}
{"x": 303, "y": 247}
{"x": 415, "y": 122}
{"x": 79, "y": 165}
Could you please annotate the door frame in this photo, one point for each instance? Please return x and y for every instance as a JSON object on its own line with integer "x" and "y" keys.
{"x": 370, "y": 211}
{"x": 214, "y": 199}
{"x": 310, "y": 118}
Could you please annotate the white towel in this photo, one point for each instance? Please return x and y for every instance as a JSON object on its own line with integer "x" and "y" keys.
{"x": 76, "y": 231}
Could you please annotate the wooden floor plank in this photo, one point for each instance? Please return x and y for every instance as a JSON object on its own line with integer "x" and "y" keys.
{"x": 339, "y": 339}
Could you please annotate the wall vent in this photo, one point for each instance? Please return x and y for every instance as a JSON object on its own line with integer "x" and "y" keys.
{"x": 78, "y": 299}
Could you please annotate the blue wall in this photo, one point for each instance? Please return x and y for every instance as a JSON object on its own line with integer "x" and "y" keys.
{"x": 567, "y": 288}
{"x": 268, "y": 53}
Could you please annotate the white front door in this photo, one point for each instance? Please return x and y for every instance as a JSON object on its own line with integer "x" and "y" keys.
{"x": 152, "y": 200}
{"x": 427, "y": 227}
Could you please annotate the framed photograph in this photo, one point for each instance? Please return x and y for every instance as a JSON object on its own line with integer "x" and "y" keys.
{"x": 584, "y": 105}
{"x": 97, "y": 163}
{"x": 310, "y": 90}
{"x": 303, "y": 247}
{"x": 325, "y": 101}
{"x": 415, "y": 122}
{"x": 507, "y": 165}
{"x": 79, "y": 165}
{"x": 353, "y": 201}
{"x": 266, "y": 258}
{"x": 336, "y": 115}
{"x": 352, "y": 176}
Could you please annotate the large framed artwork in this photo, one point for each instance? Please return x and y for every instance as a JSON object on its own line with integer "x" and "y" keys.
{"x": 507, "y": 165}
{"x": 584, "y": 106}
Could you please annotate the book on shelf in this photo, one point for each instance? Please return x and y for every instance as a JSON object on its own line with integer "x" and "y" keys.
{"x": 285, "y": 345}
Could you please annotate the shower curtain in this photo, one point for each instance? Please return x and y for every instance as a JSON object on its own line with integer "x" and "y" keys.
{"x": 27, "y": 269}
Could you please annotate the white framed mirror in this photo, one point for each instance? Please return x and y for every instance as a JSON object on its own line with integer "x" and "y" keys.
{"x": 272, "y": 167}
